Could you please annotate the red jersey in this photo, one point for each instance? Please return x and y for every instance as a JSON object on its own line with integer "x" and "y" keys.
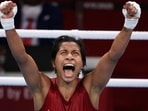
{"x": 78, "y": 102}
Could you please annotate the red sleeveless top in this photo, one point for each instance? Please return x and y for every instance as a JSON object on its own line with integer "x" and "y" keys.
{"x": 78, "y": 102}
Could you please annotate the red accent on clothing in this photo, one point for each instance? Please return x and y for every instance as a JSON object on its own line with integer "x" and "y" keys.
{"x": 78, "y": 102}
{"x": 28, "y": 41}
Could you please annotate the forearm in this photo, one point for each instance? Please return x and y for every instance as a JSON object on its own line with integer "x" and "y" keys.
{"x": 16, "y": 45}
{"x": 120, "y": 43}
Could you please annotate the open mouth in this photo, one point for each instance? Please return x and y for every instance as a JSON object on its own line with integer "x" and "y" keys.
{"x": 69, "y": 67}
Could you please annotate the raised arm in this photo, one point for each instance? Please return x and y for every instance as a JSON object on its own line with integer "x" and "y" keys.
{"x": 25, "y": 62}
{"x": 104, "y": 69}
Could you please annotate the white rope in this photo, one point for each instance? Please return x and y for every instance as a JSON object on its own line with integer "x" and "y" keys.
{"x": 130, "y": 83}
{"x": 118, "y": 82}
{"x": 12, "y": 81}
{"x": 84, "y": 34}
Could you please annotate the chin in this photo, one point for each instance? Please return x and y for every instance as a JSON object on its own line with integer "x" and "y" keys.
{"x": 68, "y": 79}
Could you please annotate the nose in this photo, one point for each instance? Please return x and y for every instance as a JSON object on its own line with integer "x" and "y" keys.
{"x": 69, "y": 56}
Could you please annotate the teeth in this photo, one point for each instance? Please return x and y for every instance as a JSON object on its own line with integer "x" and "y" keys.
{"x": 69, "y": 65}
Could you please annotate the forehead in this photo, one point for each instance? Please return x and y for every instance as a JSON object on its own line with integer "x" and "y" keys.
{"x": 69, "y": 45}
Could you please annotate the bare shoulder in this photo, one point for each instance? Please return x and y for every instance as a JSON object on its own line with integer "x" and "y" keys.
{"x": 92, "y": 91}
{"x": 40, "y": 96}
{"x": 45, "y": 83}
{"x": 88, "y": 81}
{"x": 45, "y": 80}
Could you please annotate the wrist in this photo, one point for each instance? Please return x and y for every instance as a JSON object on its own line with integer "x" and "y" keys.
{"x": 130, "y": 23}
{"x": 8, "y": 23}
{"x": 127, "y": 29}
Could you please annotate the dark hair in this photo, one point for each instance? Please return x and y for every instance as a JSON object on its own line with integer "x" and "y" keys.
{"x": 66, "y": 38}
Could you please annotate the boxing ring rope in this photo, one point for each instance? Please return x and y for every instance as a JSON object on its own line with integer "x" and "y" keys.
{"x": 113, "y": 82}
{"x": 84, "y": 34}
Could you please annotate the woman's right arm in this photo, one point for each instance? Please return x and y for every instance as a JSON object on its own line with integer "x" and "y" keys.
{"x": 25, "y": 62}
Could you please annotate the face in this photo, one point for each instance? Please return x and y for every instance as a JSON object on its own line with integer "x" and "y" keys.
{"x": 68, "y": 62}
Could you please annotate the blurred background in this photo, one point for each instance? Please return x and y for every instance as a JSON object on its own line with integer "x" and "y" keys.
{"x": 82, "y": 15}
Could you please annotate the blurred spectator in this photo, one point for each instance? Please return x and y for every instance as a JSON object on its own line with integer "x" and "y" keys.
{"x": 2, "y": 59}
{"x": 43, "y": 15}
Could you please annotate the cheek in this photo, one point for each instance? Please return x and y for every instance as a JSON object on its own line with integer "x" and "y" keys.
{"x": 80, "y": 62}
{"x": 57, "y": 61}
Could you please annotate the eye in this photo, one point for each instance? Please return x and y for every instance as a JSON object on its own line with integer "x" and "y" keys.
{"x": 63, "y": 52}
{"x": 75, "y": 53}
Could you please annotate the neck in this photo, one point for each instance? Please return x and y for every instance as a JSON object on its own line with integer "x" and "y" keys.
{"x": 67, "y": 89}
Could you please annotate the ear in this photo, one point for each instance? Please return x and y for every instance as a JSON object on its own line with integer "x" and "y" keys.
{"x": 53, "y": 64}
